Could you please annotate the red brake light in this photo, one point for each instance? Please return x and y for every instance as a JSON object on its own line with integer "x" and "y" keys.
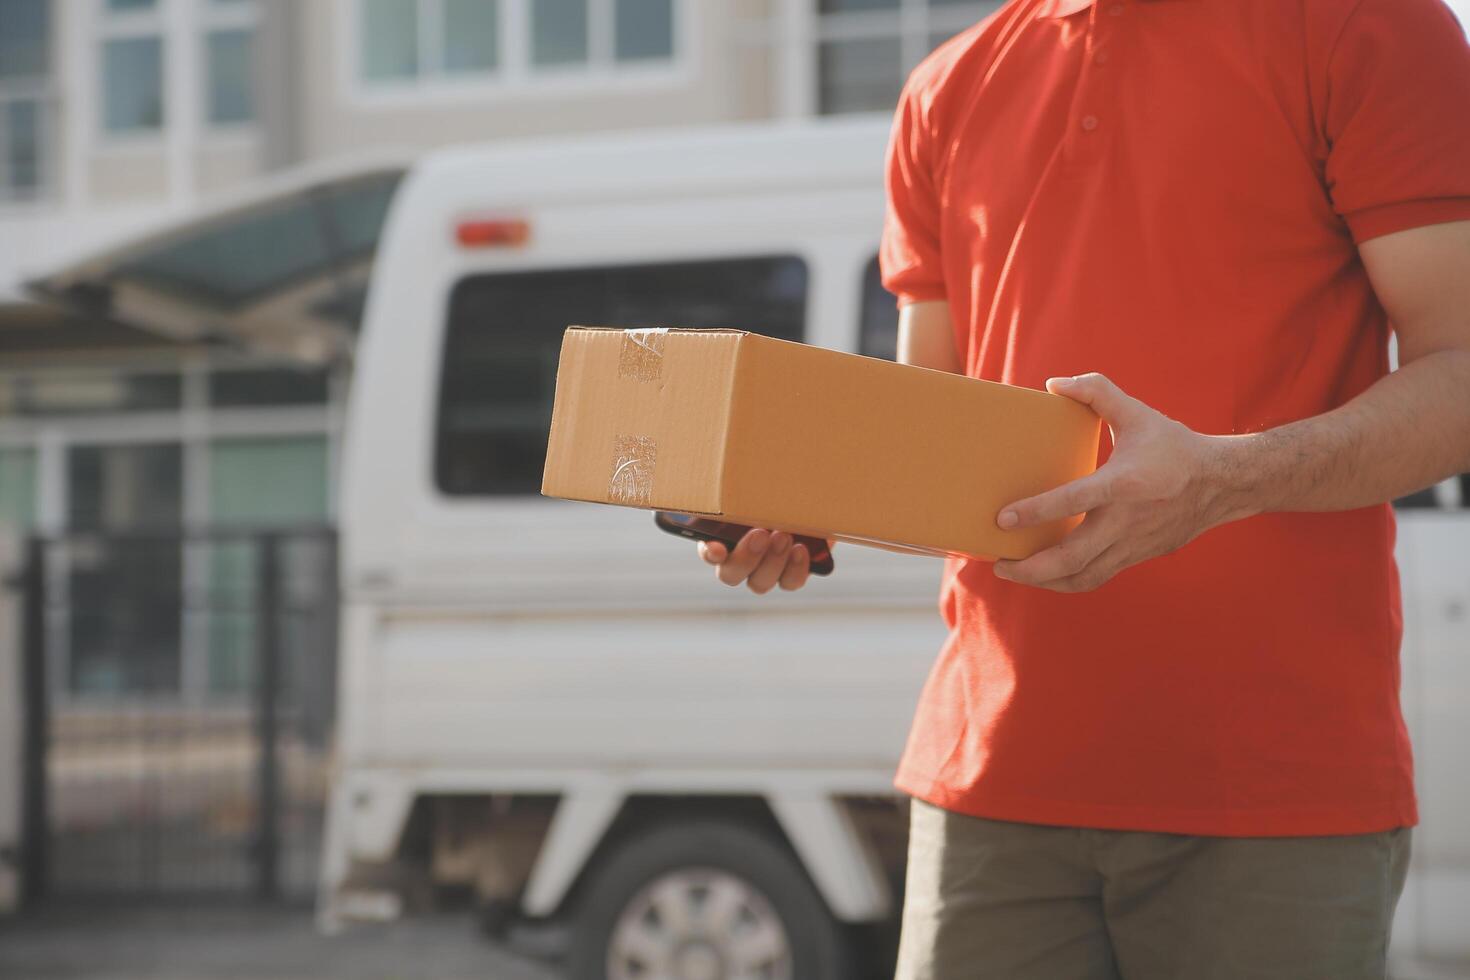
{"x": 492, "y": 233}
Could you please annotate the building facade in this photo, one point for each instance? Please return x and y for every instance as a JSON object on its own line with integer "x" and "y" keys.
{"x": 112, "y": 104}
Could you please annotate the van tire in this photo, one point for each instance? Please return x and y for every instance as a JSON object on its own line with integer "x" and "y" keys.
{"x": 818, "y": 944}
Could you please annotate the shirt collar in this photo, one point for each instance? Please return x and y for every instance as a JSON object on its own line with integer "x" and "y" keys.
{"x": 1066, "y": 8}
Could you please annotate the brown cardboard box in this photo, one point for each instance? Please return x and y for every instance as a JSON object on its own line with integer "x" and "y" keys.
{"x": 781, "y": 435}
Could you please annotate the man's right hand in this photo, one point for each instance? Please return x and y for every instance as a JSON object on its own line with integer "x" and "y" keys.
{"x": 762, "y": 560}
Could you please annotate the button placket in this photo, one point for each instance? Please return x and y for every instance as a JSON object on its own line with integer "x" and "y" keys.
{"x": 1095, "y": 82}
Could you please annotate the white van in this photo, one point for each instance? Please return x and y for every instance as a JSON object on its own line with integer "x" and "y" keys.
{"x": 553, "y": 704}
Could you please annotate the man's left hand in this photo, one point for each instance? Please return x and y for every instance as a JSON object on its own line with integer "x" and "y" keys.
{"x": 1157, "y": 491}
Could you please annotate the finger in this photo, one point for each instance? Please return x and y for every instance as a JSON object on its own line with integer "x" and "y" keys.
{"x": 1097, "y": 574}
{"x": 713, "y": 552}
{"x": 768, "y": 572}
{"x": 746, "y": 556}
{"x": 1098, "y": 393}
{"x": 798, "y": 568}
{"x": 1077, "y": 497}
{"x": 1070, "y": 557}
{"x": 1091, "y": 575}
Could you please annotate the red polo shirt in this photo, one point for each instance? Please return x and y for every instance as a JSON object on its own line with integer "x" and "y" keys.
{"x": 1171, "y": 192}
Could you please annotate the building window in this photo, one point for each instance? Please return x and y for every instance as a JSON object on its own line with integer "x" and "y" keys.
{"x": 644, "y": 30}
{"x": 471, "y": 36}
{"x": 859, "y": 74}
{"x": 132, "y": 68}
{"x": 132, "y": 71}
{"x": 125, "y": 487}
{"x": 26, "y": 105}
{"x": 134, "y": 59}
{"x": 390, "y": 41}
{"x": 559, "y": 32}
{"x": 404, "y": 41}
{"x": 865, "y": 48}
{"x": 230, "y": 96}
{"x": 24, "y": 39}
{"x": 44, "y": 394}
{"x": 229, "y": 62}
{"x": 20, "y": 141}
{"x": 18, "y": 488}
{"x": 601, "y": 32}
{"x": 499, "y": 368}
{"x": 407, "y": 39}
{"x": 129, "y": 593}
{"x": 267, "y": 388}
{"x": 258, "y": 482}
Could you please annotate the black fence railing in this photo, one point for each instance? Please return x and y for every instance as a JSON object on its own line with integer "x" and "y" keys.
{"x": 180, "y": 695}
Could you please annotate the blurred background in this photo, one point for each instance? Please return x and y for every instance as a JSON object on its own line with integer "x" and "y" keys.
{"x": 264, "y": 702}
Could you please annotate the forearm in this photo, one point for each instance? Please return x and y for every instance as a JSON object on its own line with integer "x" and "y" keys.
{"x": 1409, "y": 430}
{"x": 926, "y": 337}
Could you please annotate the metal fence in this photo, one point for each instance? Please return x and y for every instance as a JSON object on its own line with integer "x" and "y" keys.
{"x": 179, "y": 689}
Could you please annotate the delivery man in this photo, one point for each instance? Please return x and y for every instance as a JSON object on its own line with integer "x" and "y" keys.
{"x": 1171, "y": 746}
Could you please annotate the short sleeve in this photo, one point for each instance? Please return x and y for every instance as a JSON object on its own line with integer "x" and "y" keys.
{"x": 1397, "y": 118}
{"x": 909, "y": 255}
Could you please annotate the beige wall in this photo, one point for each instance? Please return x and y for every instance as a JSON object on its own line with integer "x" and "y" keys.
{"x": 719, "y": 78}
{"x": 226, "y": 164}
{"x": 135, "y": 174}
{"x": 129, "y": 174}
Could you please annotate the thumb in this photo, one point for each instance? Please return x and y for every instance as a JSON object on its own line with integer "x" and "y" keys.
{"x": 1095, "y": 391}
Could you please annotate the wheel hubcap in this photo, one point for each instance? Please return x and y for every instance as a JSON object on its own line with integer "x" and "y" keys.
{"x": 699, "y": 961}
{"x": 699, "y": 924}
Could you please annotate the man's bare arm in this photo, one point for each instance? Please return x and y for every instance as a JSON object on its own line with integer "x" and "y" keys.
{"x": 926, "y": 337}
{"x": 1409, "y": 430}
{"x": 1165, "y": 484}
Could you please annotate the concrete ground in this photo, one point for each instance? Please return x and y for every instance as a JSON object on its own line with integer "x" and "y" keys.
{"x": 218, "y": 942}
{"x": 247, "y": 943}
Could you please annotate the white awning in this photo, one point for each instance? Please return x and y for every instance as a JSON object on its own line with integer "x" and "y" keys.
{"x": 283, "y": 270}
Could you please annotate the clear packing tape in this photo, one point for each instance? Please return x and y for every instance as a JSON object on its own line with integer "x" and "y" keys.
{"x": 635, "y": 457}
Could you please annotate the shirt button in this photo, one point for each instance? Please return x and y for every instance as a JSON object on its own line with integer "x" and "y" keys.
{"x": 1089, "y": 123}
{"x": 1116, "y": 10}
{"x": 1101, "y": 58}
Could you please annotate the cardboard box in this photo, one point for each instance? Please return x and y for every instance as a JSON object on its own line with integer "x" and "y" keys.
{"x": 781, "y": 435}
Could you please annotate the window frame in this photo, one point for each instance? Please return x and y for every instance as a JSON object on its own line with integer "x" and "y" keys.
{"x": 41, "y": 91}
{"x": 913, "y": 22}
{"x": 129, "y": 25}
{"x": 214, "y": 17}
{"x": 516, "y": 76}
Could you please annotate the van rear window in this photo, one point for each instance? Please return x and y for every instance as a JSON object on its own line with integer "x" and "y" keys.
{"x": 504, "y": 334}
{"x": 878, "y": 329}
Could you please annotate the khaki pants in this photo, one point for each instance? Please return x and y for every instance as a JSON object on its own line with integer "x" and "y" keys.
{"x": 992, "y": 900}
